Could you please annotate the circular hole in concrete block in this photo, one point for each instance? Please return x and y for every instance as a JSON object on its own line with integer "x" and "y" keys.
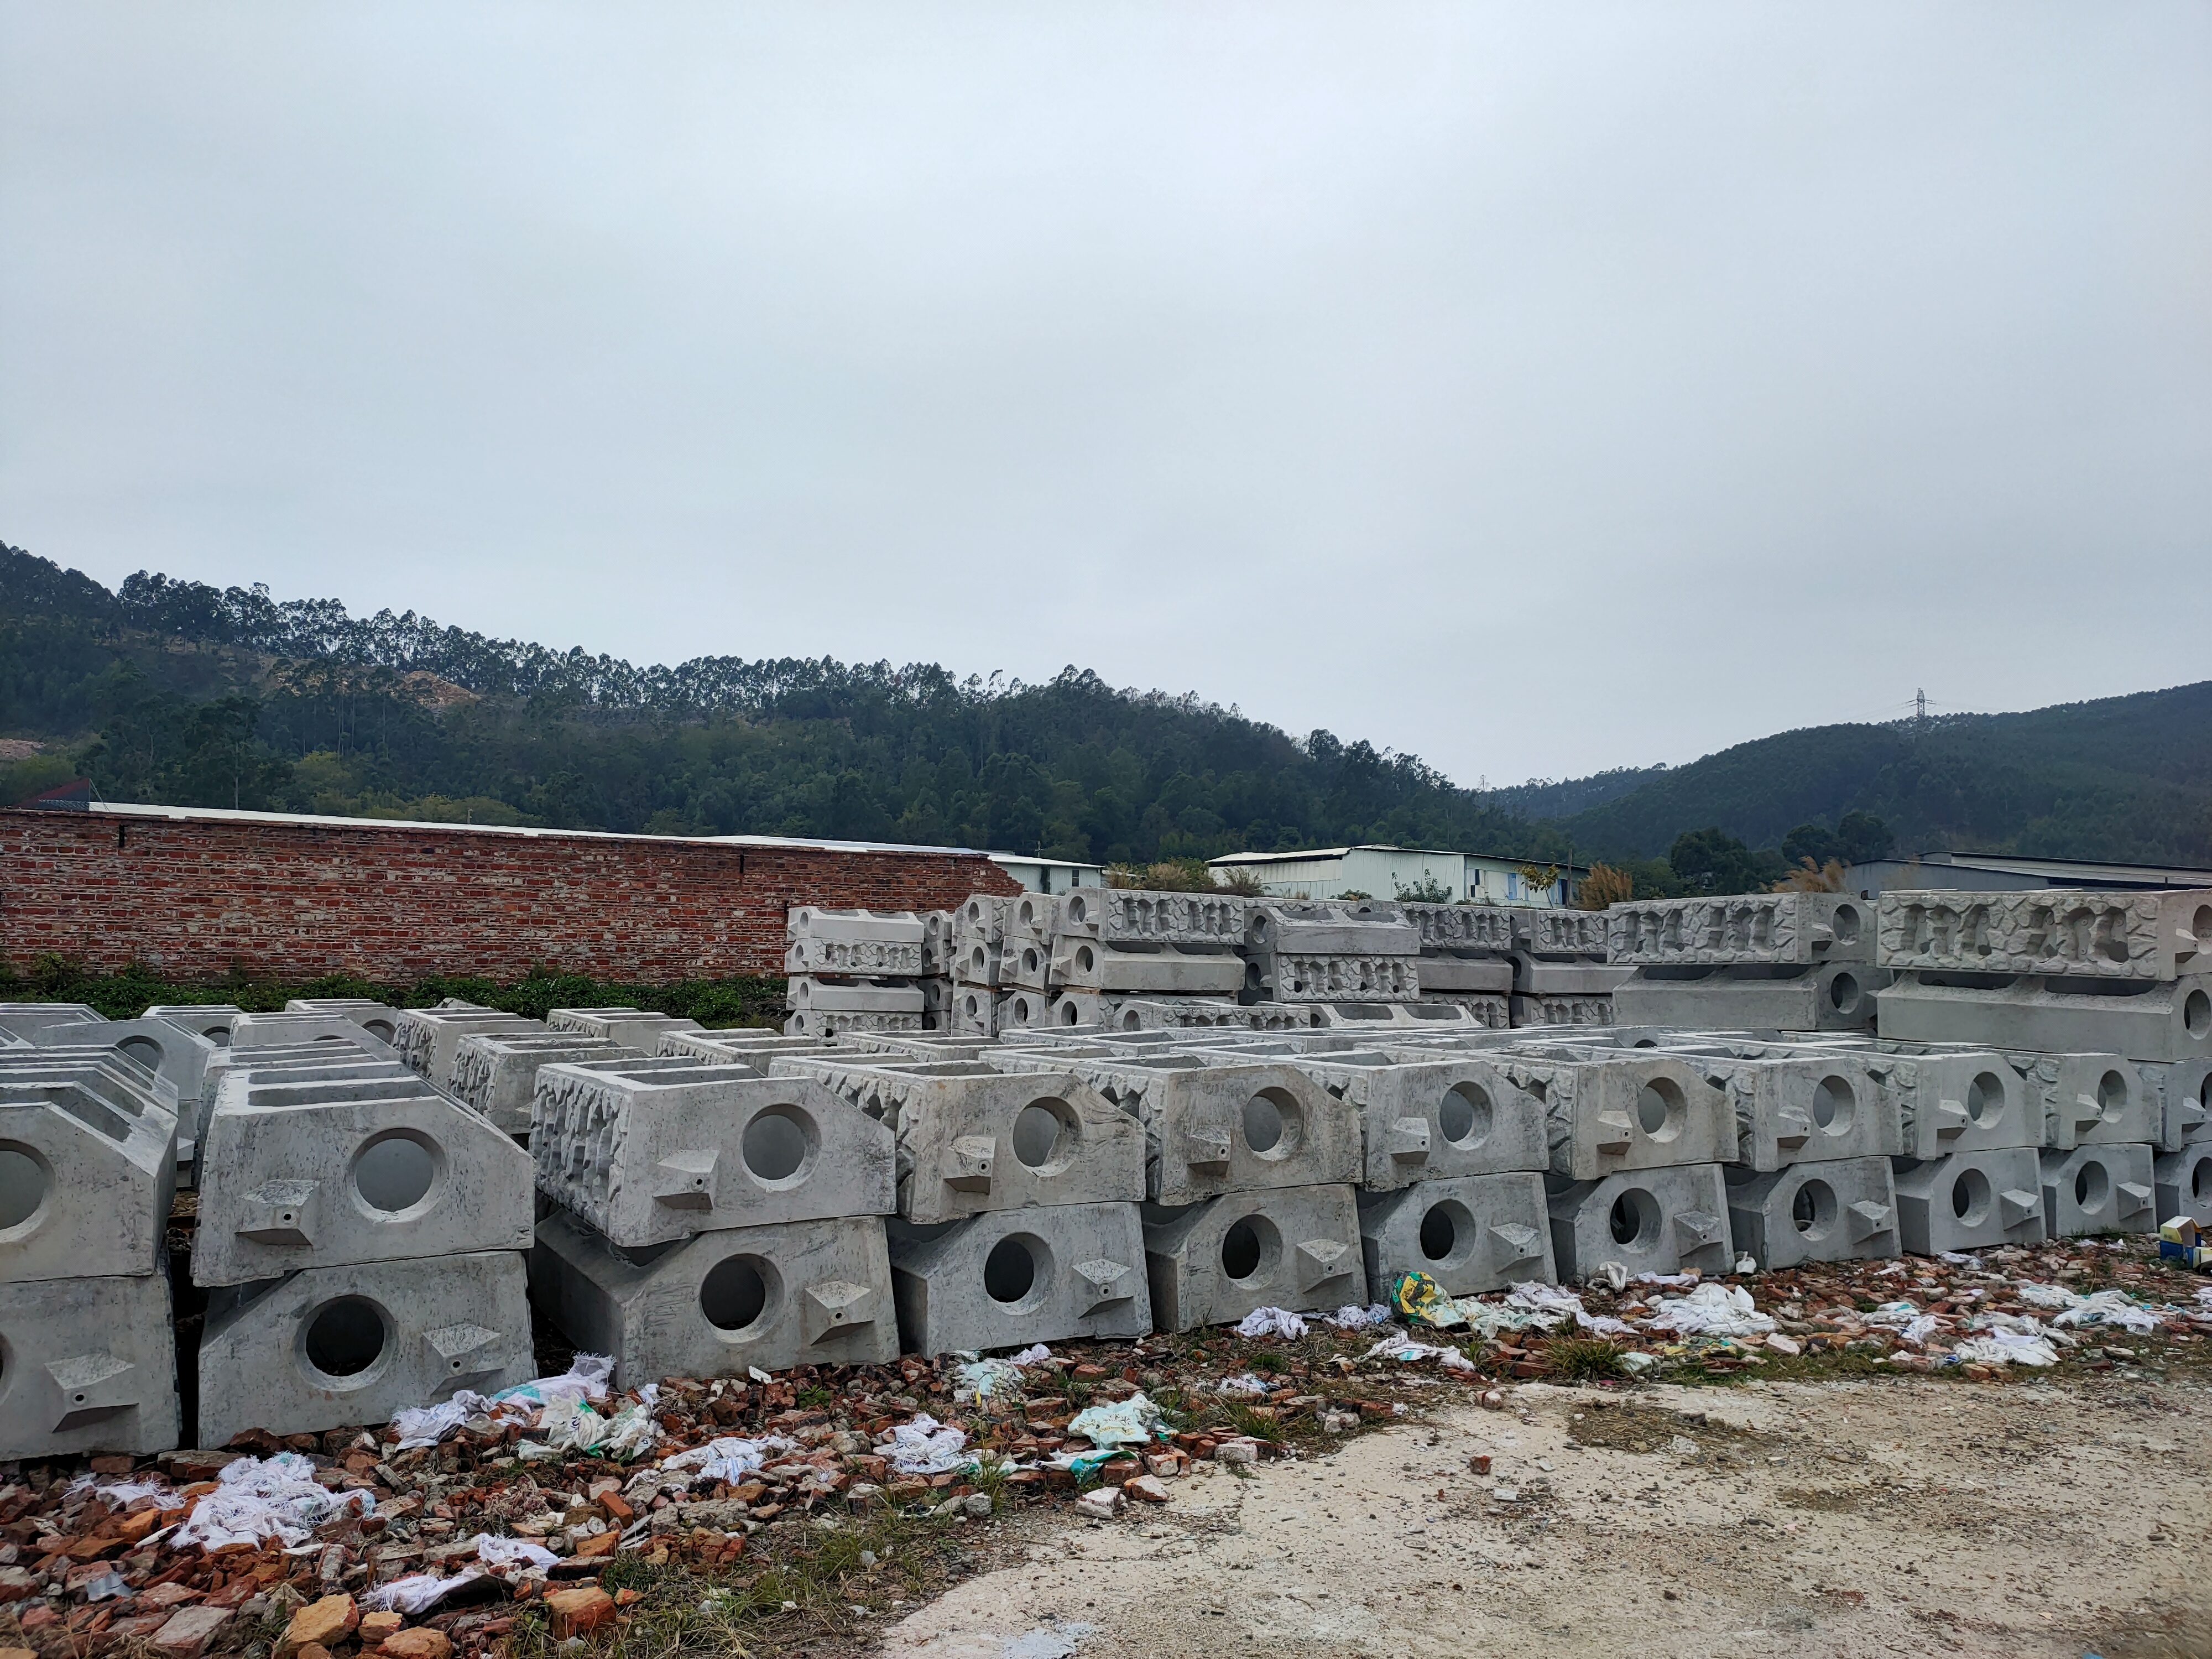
{"x": 1659, "y": 1108}
{"x": 1250, "y": 1247}
{"x": 2112, "y": 1096}
{"x": 735, "y": 1293}
{"x": 25, "y": 1180}
{"x": 1969, "y": 1197}
{"x": 1439, "y": 1232}
{"x": 971, "y": 1006}
{"x": 1985, "y": 1098}
{"x": 395, "y": 1172}
{"x": 1045, "y": 1131}
{"x": 1843, "y": 994}
{"x": 1010, "y": 1271}
{"x": 1847, "y": 924}
{"x": 1635, "y": 1218}
{"x": 1020, "y": 1008}
{"x": 2196, "y": 1014}
{"x": 2093, "y": 1187}
{"x": 145, "y": 1050}
{"x": 1813, "y": 1210}
{"x": 1834, "y": 1105}
{"x": 344, "y": 1338}
{"x": 1464, "y": 1115}
{"x": 1078, "y": 907}
{"x": 1131, "y": 1021}
{"x": 1272, "y": 1123}
{"x": 1646, "y": 1043}
{"x": 779, "y": 1144}
{"x": 383, "y": 1030}
{"x": 2200, "y": 1179}
{"x": 1026, "y": 912}
{"x": 218, "y": 1035}
{"x": 1069, "y": 1015}
{"x": 1085, "y": 959}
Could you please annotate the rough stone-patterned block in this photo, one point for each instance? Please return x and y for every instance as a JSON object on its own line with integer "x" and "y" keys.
{"x": 1125, "y": 916}
{"x": 841, "y": 996}
{"x": 1093, "y": 1010}
{"x": 2098, "y": 1189}
{"x": 1824, "y": 997}
{"x": 1969, "y": 1200}
{"x": 1355, "y": 951}
{"x": 428, "y": 1038}
{"x": 331, "y": 1347}
{"x": 1796, "y": 1111}
{"x": 652, "y": 1157}
{"x": 1475, "y": 930}
{"x": 1552, "y": 930}
{"x": 2182, "y": 1181}
{"x": 87, "y": 1169}
{"x": 972, "y": 1138}
{"x": 498, "y": 1075}
{"x": 2069, "y": 932}
{"x": 867, "y": 944}
{"x": 1214, "y": 1262}
{"x": 1561, "y": 1010}
{"x": 1650, "y": 1221}
{"x": 91, "y": 1366}
{"x": 635, "y": 1026}
{"x": 1837, "y": 1210}
{"x": 1429, "y": 1119}
{"x": 1798, "y": 929}
{"x": 802, "y": 1292}
{"x": 821, "y": 1022}
{"x": 1049, "y": 1273}
{"x": 2088, "y": 1099}
{"x": 1470, "y": 1233}
{"x": 1957, "y": 1100}
{"x": 1214, "y": 1125}
{"x": 980, "y": 918}
{"x": 307, "y": 1173}
{"x": 1628, "y": 1111}
{"x": 2141, "y": 1019}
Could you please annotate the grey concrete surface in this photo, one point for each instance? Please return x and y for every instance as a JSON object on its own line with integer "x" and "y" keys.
{"x": 1839, "y": 1210}
{"x": 1214, "y": 1262}
{"x": 1047, "y": 1273}
{"x": 1470, "y": 1233}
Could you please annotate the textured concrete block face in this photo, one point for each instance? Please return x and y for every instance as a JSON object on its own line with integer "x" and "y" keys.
{"x": 26, "y": 1020}
{"x": 649, "y": 1159}
{"x": 979, "y": 920}
{"x": 971, "y": 1139}
{"x": 1291, "y": 1246}
{"x": 1341, "y": 952}
{"x": 1475, "y": 930}
{"x": 974, "y": 1011}
{"x": 179, "y": 1057}
{"x": 1969, "y": 1200}
{"x": 91, "y": 1366}
{"x": 1470, "y": 1233}
{"x": 1139, "y": 968}
{"x": 1655, "y": 1221}
{"x": 804, "y": 1292}
{"x": 2183, "y": 1102}
{"x": 1490, "y": 974}
{"x": 1795, "y": 929}
{"x": 866, "y": 943}
{"x": 2068, "y": 932}
{"x": 1633, "y": 1111}
{"x": 1841, "y": 1210}
{"x": 1793, "y": 1111}
{"x": 303, "y": 1175}
{"x": 2164, "y": 1020}
{"x": 1022, "y": 1010}
{"x": 1125, "y": 916}
{"x": 1008, "y": 1279}
{"x": 2088, "y": 1099}
{"x": 633, "y": 1026}
{"x": 379, "y": 1019}
{"x": 818, "y": 1023}
{"x": 2099, "y": 1189}
{"x": 2182, "y": 1182}
{"x": 1431, "y": 1119}
{"x": 1212, "y": 1126}
{"x": 498, "y": 1075}
{"x": 430, "y": 1038}
{"x": 1545, "y": 931}
{"x": 1962, "y": 1102}
{"x": 1561, "y": 1010}
{"x": 330, "y": 1347}
{"x": 87, "y": 1169}
{"x": 827, "y": 997}
{"x": 1826, "y": 997}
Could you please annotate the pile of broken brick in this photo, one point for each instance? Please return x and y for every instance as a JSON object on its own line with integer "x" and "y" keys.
{"x": 438, "y": 1548}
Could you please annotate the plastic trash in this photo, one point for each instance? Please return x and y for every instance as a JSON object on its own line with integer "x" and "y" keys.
{"x": 1422, "y": 1301}
{"x": 1711, "y": 1310}
{"x": 1349, "y": 1318}
{"x": 924, "y": 1447}
{"x": 2110, "y": 1308}
{"x": 2001, "y": 1348}
{"x": 727, "y": 1458}
{"x": 1245, "y": 1384}
{"x": 1272, "y": 1322}
{"x": 258, "y": 1498}
{"x": 1125, "y": 1422}
{"x": 1408, "y": 1351}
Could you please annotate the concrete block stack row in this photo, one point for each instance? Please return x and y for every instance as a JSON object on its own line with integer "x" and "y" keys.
{"x": 857, "y": 970}
{"x": 1775, "y": 962}
{"x": 88, "y": 1166}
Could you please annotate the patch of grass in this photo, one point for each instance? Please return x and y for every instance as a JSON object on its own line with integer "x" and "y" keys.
{"x": 1244, "y": 1420}
{"x": 814, "y": 1397}
{"x": 1078, "y": 1394}
{"x": 1579, "y": 1358}
{"x": 1267, "y": 1362}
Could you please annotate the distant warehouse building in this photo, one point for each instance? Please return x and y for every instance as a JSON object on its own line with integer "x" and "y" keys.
{"x": 1388, "y": 873}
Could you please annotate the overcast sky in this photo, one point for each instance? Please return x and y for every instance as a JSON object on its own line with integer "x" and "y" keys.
{"x": 1538, "y": 388}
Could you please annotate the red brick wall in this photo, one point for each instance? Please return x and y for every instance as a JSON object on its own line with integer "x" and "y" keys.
{"x": 197, "y": 899}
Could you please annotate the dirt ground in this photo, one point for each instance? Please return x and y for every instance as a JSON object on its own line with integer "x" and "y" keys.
{"x": 1846, "y": 1517}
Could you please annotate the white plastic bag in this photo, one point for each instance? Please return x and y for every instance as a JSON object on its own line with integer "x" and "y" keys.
{"x": 1272, "y": 1322}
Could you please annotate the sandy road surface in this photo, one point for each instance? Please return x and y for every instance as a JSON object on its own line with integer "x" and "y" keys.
{"x": 1842, "y": 1518}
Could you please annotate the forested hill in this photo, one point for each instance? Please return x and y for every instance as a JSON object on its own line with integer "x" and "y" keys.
{"x": 175, "y": 691}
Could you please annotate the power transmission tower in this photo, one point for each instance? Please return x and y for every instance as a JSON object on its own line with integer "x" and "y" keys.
{"x": 1919, "y": 711}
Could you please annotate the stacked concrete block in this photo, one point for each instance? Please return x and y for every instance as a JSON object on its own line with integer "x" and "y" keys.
{"x": 2094, "y": 1188}
{"x": 1355, "y": 951}
{"x": 428, "y": 1039}
{"x": 639, "y": 1027}
{"x": 855, "y": 970}
{"x": 1783, "y": 962}
{"x": 1969, "y": 1200}
{"x": 1560, "y": 975}
{"x": 2182, "y": 1182}
{"x": 1667, "y": 1219}
{"x": 2058, "y": 969}
{"x": 362, "y": 1234}
{"x": 1215, "y": 1261}
{"x": 2183, "y": 1112}
{"x": 1021, "y": 1276}
{"x": 977, "y": 960}
{"x": 497, "y": 1074}
{"x": 1825, "y": 1210}
{"x": 379, "y": 1019}
{"x": 179, "y": 1058}
{"x": 24, "y": 1020}
{"x": 88, "y": 1165}
{"x": 1470, "y": 1233}
{"x": 212, "y": 1020}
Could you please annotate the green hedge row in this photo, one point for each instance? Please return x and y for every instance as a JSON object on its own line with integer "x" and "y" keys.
{"x": 749, "y": 1000}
